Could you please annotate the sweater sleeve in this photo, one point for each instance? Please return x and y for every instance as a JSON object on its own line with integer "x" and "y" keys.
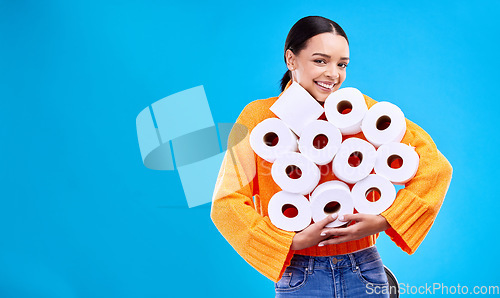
{"x": 417, "y": 205}
{"x": 252, "y": 235}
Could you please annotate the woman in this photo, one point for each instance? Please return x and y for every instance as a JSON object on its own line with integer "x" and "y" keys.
{"x": 319, "y": 261}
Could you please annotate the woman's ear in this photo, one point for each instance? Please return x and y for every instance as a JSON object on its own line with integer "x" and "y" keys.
{"x": 290, "y": 60}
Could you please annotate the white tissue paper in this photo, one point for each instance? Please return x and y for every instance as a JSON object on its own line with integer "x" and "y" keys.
{"x": 384, "y": 123}
{"x": 362, "y": 189}
{"x": 346, "y": 98}
{"x": 386, "y": 155}
{"x": 320, "y": 132}
{"x": 296, "y": 161}
{"x": 354, "y": 149}
{"x": 276, "y": 208}
{"x": 331, "y": 192}
{"x": 297, "y": 108}
{"x": 287, "y": 163}
{"x": 271, "y": 138}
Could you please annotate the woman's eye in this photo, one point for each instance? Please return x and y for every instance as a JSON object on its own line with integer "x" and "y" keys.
{"x": 343, "y": 65}
{"x": 320, "y": 61}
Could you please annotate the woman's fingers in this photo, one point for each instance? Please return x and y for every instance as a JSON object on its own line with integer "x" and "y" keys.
{"x": 365, "y": 224}
{"x": 336, "y": 231}
{"x": 336, "y": 240}
{"x": 342, "y": 231}
{"x": 348, "y": 217}
{"x": 331, "y": 218}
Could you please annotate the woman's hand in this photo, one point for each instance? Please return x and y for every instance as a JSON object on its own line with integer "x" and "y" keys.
{"x": 365, "y": 225}
{"x": 311, "y": 235}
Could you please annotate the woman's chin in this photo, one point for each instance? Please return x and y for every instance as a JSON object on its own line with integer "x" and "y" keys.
{"x": 321, "y": 100}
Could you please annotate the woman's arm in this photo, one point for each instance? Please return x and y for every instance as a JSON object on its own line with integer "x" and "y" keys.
{"x": 252, "y": 235}
{"x": 417, "y": 205}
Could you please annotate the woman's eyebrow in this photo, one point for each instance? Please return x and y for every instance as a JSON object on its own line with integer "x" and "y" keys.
{"x": 328, "y": 56}
{"x": 324, "y": 55}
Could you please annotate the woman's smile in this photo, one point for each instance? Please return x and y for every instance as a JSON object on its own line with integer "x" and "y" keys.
{"x": 325, "y": 86}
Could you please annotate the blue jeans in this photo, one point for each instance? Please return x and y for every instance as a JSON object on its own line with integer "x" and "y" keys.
{"x": 358, "y": 274}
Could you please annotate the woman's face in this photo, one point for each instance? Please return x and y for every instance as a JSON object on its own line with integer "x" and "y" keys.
{"x": 320, "y": 67}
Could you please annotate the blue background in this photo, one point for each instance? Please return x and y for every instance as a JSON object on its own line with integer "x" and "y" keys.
{"x": 80, "y": 215}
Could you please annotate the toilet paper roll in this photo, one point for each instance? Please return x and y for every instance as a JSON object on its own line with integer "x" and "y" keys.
{"x": 271, "y": 138}
{"x": 354, "y": 160}
{"x": 390, "y": 153}
{"x": 345, "y": 108}
{"x": 320, "y": 141}
{"x": 377, "y": 183}
{"x": 277, "y": 205}
{"x": 294, "y": 173}
{"x": 329, "y": 193}
{"x": 384, "y": 123}
{"x": 297, "y": 108}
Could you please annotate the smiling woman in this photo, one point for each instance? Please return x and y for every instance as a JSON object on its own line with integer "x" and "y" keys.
{"x": 320, "y": 261}
{"x": 316, "y": 54}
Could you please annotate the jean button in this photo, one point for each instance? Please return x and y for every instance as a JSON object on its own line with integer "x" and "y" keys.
{"x": 335, "y": 261}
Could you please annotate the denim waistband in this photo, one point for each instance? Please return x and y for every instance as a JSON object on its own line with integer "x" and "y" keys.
{"x": 338, "y": 261}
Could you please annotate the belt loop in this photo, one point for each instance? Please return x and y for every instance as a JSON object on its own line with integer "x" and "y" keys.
{"x": 310, "y": 268}
{"x": 353, "y": 262}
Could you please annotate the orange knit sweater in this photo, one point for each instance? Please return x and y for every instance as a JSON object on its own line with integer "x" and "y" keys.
{"x": 245, "y": 186}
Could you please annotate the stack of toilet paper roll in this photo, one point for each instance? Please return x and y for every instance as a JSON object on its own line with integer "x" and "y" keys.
{"x": 298, "y": 142}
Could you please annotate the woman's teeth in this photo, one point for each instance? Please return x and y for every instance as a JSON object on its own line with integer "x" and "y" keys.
{"x": 327, "y": 86}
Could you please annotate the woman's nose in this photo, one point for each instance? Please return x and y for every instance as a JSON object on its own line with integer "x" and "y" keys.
{"x": 331, "y": 71}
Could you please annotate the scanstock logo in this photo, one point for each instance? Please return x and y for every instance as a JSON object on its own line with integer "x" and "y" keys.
{"x": 178, "y": 133}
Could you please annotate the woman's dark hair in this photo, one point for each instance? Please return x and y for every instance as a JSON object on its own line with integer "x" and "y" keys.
{"x": 304, "y": 29}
